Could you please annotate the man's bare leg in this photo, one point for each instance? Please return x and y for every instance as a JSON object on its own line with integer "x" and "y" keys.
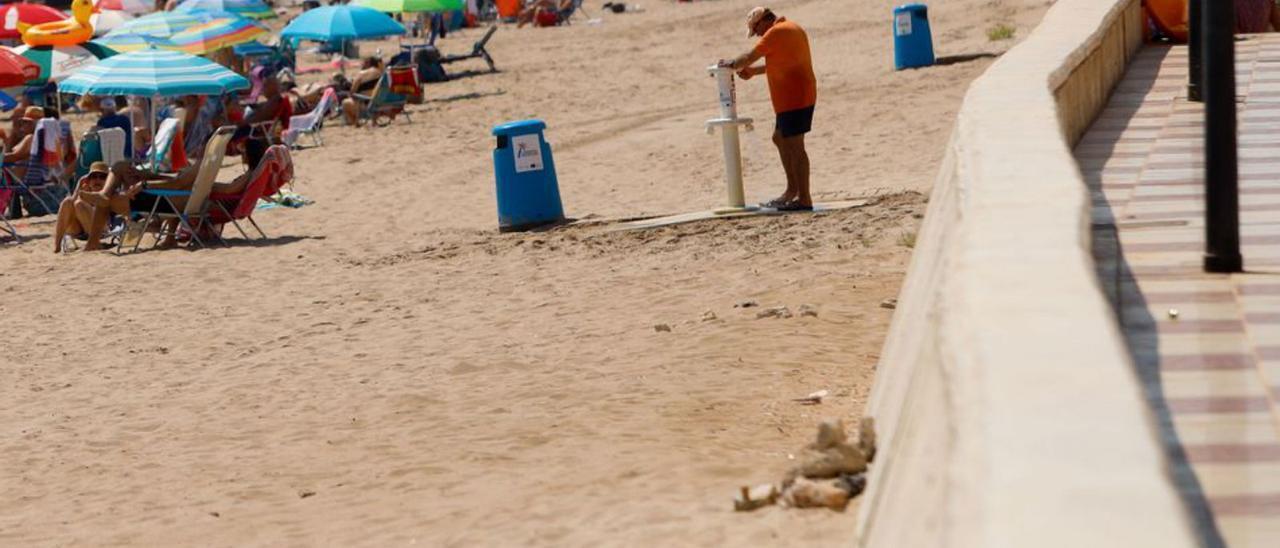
{"x": 800, "y": 168}
{"x": 784, "y": 153}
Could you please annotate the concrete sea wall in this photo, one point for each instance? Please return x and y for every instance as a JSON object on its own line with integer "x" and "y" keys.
{"x": 1006, "y": 406}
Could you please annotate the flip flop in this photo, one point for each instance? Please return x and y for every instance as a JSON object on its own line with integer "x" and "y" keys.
{"x": 795, "y": 206}
{"x": 775, "y": 203}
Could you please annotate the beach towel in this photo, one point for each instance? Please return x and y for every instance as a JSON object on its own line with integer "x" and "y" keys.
{"x": 48, "y": 131}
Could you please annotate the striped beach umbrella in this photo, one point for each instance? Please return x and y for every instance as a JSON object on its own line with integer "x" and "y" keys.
{"x": 31, "y": 14}
{"x": 164, "y": 23}
{"x": 217, "y": 34}
{"x": 108, "y": 21}
{"x": 136, "y": 7}
{"x": 253, "y": 9}
{"x": 59, "y": 62}
{"x": 134, "y": 42}
{"x": 412, "y": 6}
{"x": 154, "y": 73}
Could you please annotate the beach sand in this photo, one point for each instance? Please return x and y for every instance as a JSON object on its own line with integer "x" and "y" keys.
{"x": 388, "y": 369}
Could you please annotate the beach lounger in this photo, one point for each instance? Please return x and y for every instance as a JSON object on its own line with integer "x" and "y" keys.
{"x": 380, "y": 106}
{"x": 195, "y": 209}
{"x": 272, "y": 173}
{"x": 477, "y": 51}
{"x": 311, "y": 122}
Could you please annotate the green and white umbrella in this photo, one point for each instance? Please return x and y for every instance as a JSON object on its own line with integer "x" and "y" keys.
{"x": 58, "y": 62}
{"x": 412, "y": 6}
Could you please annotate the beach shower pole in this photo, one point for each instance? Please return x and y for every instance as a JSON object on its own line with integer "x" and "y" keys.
{"x": 728, "y": 122}
{"x": 1195, "y": 72}
{"x": 1221, "y": 191}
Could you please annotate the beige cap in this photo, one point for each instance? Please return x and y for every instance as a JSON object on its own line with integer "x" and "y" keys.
{"x": 753, "y": 18}
{"x": 99, "y": 167}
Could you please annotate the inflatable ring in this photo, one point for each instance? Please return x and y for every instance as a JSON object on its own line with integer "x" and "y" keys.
{"x": 76, "y": 30}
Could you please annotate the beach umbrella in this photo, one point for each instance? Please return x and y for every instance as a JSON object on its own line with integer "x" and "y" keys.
{"x": 154, "y": 73}
{"x": 16, "y": 70}
{"x": 253, "y": 49}
{"x": 108, "y": 21}
{"x": 136, "y": 7}
{"x": 253, "y": 9}
{"x": 342, "y": 24}
{"x": 60, "y": 62}
{"x": 134, "y": 42}
{"x": 412, "y": 6}
{"x": 7, "y": 102}
{"x": 217, "y": 34}
{"x": 163, "y": 23}
{"x": 31, "y": 14}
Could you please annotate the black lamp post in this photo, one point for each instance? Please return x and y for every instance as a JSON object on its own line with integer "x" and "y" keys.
{"x": 1221, "y": 192}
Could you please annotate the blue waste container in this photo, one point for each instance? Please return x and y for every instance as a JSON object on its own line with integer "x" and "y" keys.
{"x": 912, "y": 41}
{"x": 528, "y": 193}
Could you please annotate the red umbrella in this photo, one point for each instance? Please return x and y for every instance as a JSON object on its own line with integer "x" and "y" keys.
{"x": 31, "y": 14}
{"x": 15, "y": 69}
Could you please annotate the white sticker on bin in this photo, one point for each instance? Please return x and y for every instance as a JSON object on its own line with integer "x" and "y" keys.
{"x": 904, "y": 23}
{"x": 528, "y": 152}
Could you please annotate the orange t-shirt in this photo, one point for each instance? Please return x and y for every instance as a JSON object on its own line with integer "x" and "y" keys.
{"x": 785, "y": 48}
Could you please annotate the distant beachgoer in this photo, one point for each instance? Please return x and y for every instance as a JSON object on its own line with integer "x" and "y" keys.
{"x": 784, "y": 46}
{"x": 362, "y": 83}
{"x": 111, "y": 118}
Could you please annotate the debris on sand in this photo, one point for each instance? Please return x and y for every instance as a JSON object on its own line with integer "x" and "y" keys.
{"x": 889, "y": 303}
{"x": 828, "y": 472}
{"x": 781, "y": 312}
{"x": 746, "y": 304}
{"x": 814, "y": 398}
{"x": 708, "y": 316}
{"x": 807, "y": 310}
{"x": 662, "y": 328}
{"x": 751, "y": 498}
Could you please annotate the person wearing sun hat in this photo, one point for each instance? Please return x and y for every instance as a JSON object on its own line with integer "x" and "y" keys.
{"x": 793, "y": 89}
{"x": 84, "y": 214}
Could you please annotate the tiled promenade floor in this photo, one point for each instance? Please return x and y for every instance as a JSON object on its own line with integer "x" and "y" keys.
{"x": 1207, "y": 346}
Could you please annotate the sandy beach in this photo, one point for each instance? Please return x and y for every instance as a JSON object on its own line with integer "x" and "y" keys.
{"x": 388, "y": 369}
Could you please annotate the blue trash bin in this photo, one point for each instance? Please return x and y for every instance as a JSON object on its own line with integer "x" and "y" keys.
{"x": 528, "y": 193}
{"x": 912, "y": 41}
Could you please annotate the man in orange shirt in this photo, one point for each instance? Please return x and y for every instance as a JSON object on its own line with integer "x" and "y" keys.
{"x": 784, "y": 46}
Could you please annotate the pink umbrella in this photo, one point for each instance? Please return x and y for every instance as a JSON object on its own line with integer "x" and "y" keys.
{"x": 31, "y": 14}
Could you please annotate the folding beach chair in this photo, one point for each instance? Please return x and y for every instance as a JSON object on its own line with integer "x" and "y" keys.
{"x": 477, "y": 51}
{"x": 312, "y": 122}
{"x": 195, "y": 207}
{"x": 38, "y": 188}
{"x": 379, "y": 106}
{"x": 272, "y": 173}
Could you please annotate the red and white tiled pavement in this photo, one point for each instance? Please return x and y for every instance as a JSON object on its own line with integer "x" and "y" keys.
{"x": 1207, "y": 346}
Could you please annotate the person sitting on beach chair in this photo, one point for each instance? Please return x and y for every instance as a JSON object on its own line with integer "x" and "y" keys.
{"x": 274, "y": 111}
{"x": 84, "y": 215}
{"x": 546, "y": 13}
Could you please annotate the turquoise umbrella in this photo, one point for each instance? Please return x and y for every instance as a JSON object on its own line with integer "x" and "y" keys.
{"x": 154, "y": 73}
{"x": 341, "y": 24}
